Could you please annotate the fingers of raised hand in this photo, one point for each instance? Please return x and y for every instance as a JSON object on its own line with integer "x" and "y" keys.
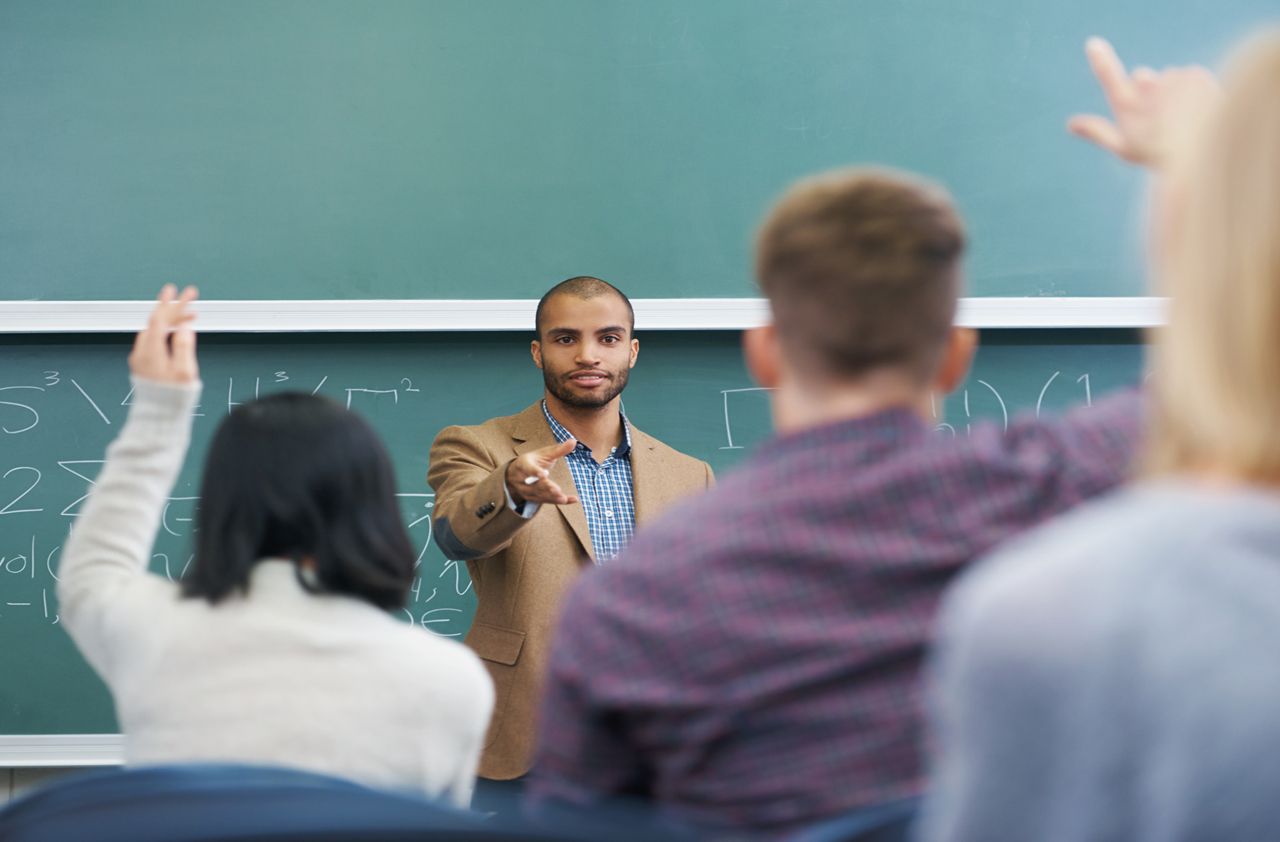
{"x": 1117, "y": 86}
{"x": 1098, "y": 130}
{"x": 165, "y": 348}
{"x": 184, "y": 368}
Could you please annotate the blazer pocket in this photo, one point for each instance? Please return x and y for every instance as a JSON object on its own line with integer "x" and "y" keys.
{"x": 494, "y": 643}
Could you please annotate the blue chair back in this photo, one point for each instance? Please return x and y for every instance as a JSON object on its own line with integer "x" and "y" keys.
{"x": 235, "y": 803}
{"x": 891, "y": 822}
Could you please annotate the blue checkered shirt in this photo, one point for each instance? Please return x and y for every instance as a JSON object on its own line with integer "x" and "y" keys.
{"x": 605, "y": 490}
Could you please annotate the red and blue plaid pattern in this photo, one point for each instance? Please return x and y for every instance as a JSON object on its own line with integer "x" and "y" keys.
{"x": 752, "y": 660}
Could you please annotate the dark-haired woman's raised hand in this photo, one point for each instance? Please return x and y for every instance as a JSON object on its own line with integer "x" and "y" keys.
{"x": 165, "y": 350}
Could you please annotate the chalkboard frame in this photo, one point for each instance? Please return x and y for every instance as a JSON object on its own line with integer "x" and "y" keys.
{"x": 341, "y": 315}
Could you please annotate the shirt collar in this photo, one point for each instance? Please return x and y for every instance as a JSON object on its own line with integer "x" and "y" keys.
{"x": 562, "y": 435}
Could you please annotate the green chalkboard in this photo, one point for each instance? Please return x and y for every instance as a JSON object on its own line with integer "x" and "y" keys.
{"x": 487, "y": 148}
{"x": 62, "y": 401}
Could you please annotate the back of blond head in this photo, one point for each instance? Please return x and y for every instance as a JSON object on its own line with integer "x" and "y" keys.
{"x": 1217, "y": 362}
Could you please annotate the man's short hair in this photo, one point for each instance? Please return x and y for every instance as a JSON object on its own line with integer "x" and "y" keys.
{"x": 862, "y": 271}
{"x": 583, "y": 286}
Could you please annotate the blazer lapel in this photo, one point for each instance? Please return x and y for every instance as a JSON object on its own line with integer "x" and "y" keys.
{"x": 646, "y": 477}
{"x": 531, "y": 432}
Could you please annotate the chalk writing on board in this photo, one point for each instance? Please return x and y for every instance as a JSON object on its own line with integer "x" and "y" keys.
{"x": 28, "y": 497}
{"x": 40, "y": 499}
{"x": 353, "y": 391}
{"x": 8, "y": 508}
{"x": 728, "y": 422}
{"x": 739, "y": 401}
{"x": 32, "y": 419}
{"x": 91, "y": 401}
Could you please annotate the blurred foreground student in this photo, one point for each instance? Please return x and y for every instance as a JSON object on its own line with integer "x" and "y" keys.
{"x": 1114, "y": 676}
{"x": 279, "y": 645}
{"x": 751, "y": 662}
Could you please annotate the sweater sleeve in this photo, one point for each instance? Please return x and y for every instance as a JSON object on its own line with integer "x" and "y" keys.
{"x": 110, "y": 544}
{"x": 1079, "y": 455}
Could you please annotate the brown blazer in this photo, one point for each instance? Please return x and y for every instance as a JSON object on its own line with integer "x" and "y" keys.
{"x": 520, "y": 568}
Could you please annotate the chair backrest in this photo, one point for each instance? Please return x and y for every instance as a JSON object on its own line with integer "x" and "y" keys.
{"x": 226, "y": 803}
{"x": 891, "y": 822}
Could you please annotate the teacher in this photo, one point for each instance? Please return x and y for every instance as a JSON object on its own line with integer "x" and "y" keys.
{"x": 531, "y": 499}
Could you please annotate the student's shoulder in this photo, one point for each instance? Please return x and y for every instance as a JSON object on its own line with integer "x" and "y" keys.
{"x": 680, "y": 556}
{"x": 432, "y": 655}
{"x": 1073, "y": 558}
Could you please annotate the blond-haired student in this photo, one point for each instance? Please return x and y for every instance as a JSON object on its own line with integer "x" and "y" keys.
{"x": 1114, "y": 676}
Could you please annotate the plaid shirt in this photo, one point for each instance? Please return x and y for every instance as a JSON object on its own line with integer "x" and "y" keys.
{"x": 752, "y": 660}
{"x": 604, "y": 490}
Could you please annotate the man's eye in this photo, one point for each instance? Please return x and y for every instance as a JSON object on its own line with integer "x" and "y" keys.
{"x": 609, "y": 340}
{"x": 564, "y": 340}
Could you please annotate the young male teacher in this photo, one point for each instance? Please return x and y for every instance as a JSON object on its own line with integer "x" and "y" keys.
{"x": 530, "y": 500}
{"x": 751, "y": 663}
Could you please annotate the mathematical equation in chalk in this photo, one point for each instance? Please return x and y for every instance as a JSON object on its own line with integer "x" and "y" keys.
{"x": 29, "y": 568}
{"x": 55, "y": 425}
{"x": 736, "y": 403}
{"x": 21, "y": 405}
{"x": 63, "y": 414}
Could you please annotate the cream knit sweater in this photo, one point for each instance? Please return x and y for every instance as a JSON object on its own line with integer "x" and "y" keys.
{"x": 279, "y": 676}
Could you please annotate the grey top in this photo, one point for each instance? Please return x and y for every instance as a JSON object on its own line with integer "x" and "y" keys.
{"x": 1115, "y": 675}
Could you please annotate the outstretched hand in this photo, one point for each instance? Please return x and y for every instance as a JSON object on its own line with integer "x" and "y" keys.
{"x": 1151, "y": 112}
{"x": 165, "y": 350}
{"x": 529, "y": 475}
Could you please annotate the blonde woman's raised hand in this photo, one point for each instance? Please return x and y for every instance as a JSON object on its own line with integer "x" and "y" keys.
{"x": 1152, "y": 112}
{"x": 165, "y": 350}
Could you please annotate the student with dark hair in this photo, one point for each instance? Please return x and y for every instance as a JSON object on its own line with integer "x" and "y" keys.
{"x": 265, "y": 495}
{"x": 278, "y": 646}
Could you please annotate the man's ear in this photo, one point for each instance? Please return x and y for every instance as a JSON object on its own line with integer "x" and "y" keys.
{"x": 535, "y": 351}
{"x": 763, "y": 355}
{"x": 635, "y": 352}
{"x": 957, "y": 356}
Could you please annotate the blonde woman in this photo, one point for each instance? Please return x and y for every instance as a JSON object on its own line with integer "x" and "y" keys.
{"x": 1114, "y": 676}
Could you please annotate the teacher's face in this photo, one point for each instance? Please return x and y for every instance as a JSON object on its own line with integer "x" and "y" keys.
{"x": 585, "y": 349}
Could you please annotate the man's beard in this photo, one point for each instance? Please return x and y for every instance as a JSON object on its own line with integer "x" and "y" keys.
{"x": 557, "y": 387}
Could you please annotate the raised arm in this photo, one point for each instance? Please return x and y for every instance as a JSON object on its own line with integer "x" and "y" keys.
{"x": 1152, "y": 113}
{"x": 111, "y": 542}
